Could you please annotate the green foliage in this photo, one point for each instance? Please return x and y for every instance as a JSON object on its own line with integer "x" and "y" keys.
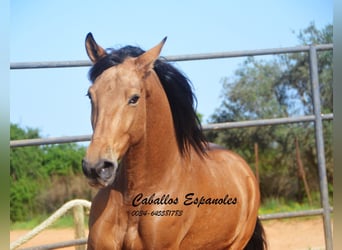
{"x": 22, "y": 197}
{"x": 43, "y": 178}
{"x": 63, "y": 159}
{"x": 25, "y": 162}
{"x": 278, "y": 88}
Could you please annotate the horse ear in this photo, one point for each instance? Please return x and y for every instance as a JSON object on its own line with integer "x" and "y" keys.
{"x": 94, "y": 51}
{"x": 146, "y": 61}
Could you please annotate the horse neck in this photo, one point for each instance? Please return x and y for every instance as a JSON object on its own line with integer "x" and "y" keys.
{"x": 156, "y": 155}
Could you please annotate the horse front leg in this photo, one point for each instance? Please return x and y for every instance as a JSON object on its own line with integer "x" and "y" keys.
{"x": 107, "y": 221}
{"x": 105, "y": 236}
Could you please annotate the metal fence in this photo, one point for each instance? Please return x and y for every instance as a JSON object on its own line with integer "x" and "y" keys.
{"x": 317, "y": 118}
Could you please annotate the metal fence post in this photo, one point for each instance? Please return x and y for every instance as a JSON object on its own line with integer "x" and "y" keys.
{"x": 320, "y": 148}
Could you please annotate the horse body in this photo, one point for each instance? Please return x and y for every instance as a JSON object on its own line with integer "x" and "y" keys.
{"x": 203, "y": 227}
{"x": 153, "y": 195}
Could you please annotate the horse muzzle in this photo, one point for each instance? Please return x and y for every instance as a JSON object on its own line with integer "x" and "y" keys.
{"x": 102, "y": 173}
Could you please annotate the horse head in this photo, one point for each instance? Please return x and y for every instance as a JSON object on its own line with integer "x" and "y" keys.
{"x": 118, "y": 110}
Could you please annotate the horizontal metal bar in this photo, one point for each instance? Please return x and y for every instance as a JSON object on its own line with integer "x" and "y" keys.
{"x": 202, "y": 56}
{"x": 213, "y": 126}
{"x": 243, "y": 53}
{"x": 293, "y": 214}
{"x": 50, "y": 140}
{"x": 51, "y": 64}
{"x": 63, "y": 244}
{"x": 264, "y": 122}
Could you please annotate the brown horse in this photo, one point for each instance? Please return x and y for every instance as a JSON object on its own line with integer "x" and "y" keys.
{"x": 162, "y": 186}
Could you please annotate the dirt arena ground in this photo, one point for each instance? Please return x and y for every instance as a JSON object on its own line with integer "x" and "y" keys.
{"x": 290, "y": 234}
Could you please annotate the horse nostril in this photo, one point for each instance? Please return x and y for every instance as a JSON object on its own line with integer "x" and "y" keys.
{"x": 85, "y": 169}
{"x": 88, "y": 170}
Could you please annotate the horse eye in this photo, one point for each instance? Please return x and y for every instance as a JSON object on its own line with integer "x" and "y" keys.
{"x": 133, "y": 100}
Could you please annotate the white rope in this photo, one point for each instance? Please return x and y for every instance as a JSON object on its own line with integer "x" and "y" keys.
{"x": 56, "y": 215}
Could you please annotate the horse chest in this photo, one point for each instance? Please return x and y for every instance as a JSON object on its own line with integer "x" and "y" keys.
{"x": 146, "y": 234}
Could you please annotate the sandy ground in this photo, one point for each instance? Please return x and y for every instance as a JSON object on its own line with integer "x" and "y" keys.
{"x": 296, "y": 234}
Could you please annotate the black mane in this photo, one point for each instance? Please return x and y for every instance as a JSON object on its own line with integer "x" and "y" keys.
{"x": 179, "y": 93}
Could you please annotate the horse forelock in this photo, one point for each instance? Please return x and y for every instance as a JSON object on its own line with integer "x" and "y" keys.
{"x": 179, "y": 92}
{"x": 113, "y": 58}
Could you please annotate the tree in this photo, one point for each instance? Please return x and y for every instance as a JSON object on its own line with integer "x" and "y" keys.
{"x": 278, "y": 88}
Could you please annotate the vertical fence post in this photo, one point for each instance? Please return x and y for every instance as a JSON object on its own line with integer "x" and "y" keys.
{"x": 78, "y": 213}
{"x": 320, "y": 148}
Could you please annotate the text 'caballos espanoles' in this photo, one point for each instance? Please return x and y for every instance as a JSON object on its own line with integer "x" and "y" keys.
{"x": 188, "y": 200}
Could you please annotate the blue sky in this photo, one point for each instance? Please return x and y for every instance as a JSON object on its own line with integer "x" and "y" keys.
{"x": 54, "y": 101}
